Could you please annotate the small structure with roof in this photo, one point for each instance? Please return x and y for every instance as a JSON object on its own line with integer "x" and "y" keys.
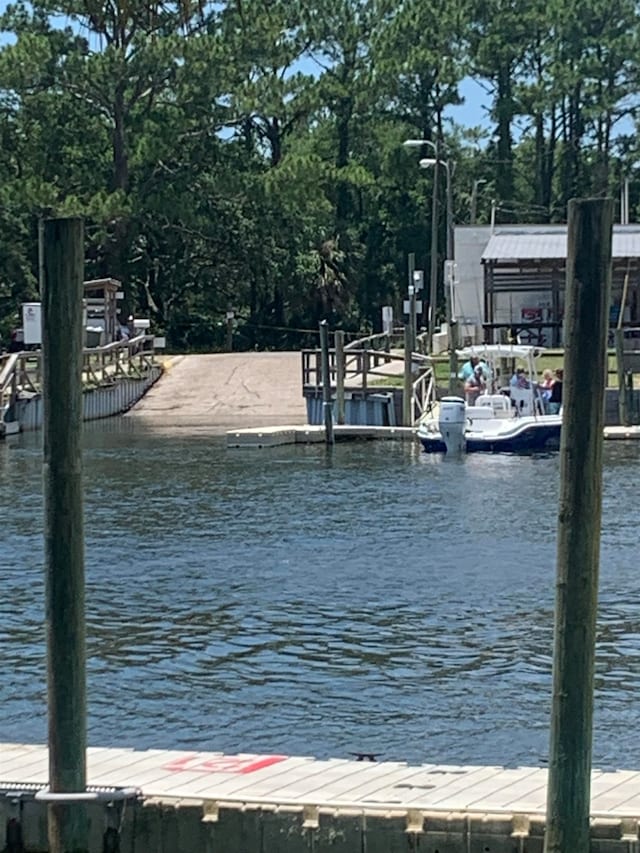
{"x": 512, "y": 279}
{"x": 101, "y": 301}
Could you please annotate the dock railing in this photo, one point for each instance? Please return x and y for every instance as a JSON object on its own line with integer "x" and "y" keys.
{"x": 423, "y": 396}
{"x": 21, "y": 372}
{"x": 365, "y": 368}
{"x": 8, "y": 381}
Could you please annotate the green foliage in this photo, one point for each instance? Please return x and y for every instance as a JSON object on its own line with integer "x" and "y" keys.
{"x": 248, "y": 154}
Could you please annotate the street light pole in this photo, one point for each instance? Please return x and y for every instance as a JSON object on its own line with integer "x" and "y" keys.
{"x": 452, "y": 324}
{"x": 433, "y": 273}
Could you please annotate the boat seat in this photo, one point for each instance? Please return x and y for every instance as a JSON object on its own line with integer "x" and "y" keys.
{"x": 522, "y": 400}
{"x": 479, "y": 412}
{"x": 499, "y": 404}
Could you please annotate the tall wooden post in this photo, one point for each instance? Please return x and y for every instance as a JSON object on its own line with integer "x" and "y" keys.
{"x": 407, "y": 392}
{"x": 62, "y": 293}
{"x": 579, "y": 515}
{"x": 326, "y": 382}
{"x": 339, "y": 344}
{"x": 411, "y": 293}
{"x": 454, "y": 382}
{"x": 623, "y": 409}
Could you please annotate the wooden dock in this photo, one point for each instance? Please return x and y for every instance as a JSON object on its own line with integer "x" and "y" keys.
{"x": 187, "y": 802}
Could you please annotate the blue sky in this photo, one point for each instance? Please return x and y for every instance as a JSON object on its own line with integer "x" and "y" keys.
{"x": 471, "y": 113}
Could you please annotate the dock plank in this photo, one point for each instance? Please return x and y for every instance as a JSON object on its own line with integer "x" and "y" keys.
{"x": 29, "y": 765}
{"x": 197, "y": 784}
{"x": 453, "y": 787}
{"x": 609, "y": 791}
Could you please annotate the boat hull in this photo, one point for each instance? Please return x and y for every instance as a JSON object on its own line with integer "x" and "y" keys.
{"x": 528, "y": 439}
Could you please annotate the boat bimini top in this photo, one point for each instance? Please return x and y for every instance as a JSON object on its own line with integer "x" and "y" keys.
{"x": 494, "y": 351}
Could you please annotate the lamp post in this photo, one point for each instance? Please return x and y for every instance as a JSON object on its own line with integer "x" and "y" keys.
{"x": 433, "y": 272}
{"x": 425, "y": 163}
{"x": 452, "y": 324}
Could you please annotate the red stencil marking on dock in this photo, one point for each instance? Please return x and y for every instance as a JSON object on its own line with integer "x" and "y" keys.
{"x": 195, "y": 763}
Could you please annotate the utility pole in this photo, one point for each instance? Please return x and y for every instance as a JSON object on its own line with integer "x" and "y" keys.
{"x": 579, "y": 517}
{"x": 62, "y": 294}
{"x": 474, "y": 200}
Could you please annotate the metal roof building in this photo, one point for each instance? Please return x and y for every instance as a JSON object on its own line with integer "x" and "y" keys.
{"x": 523, "y": 279}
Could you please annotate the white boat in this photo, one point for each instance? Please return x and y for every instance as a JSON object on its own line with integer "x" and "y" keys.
{"x": 504, "y": 418}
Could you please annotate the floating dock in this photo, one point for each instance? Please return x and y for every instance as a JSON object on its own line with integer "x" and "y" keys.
{"x": 278, "y": 435}
{"x": 197, "y": 802}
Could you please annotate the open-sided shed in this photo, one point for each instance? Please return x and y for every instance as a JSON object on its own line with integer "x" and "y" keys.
{"x": 524, "y": 280}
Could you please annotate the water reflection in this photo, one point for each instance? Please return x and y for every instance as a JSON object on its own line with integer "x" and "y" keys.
{"x": 376, "y": 599}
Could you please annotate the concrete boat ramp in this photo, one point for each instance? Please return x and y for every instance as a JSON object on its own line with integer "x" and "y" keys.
{"x": 256, "y": 400}
{"x": 193, "y": 802}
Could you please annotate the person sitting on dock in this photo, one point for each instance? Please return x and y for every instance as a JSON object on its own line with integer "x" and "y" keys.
{"x": 467, "y": 369}
{"x": 474, "y": 386}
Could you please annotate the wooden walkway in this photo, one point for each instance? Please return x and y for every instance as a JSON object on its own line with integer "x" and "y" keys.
{"x": 497, "y": 801}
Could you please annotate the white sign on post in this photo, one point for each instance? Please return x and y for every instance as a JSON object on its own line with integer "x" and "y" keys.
{"x": 32, "y": 323}
{"x": 387, "y": 319}
{"x": 450, "y": 281}
{"x": 406, "y": 306}
{"x": 418, "y": 279}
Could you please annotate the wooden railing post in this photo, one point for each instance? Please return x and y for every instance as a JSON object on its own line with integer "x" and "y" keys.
{"x": 339, "y": 346}
{"x": 623, "y": 408}
{"x": 407, "y": 392}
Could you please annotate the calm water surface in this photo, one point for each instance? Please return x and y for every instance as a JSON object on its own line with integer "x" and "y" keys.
{"x": 291, "y": 601}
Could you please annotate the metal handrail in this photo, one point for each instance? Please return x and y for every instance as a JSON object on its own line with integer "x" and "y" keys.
{"x": 423, "y": 394}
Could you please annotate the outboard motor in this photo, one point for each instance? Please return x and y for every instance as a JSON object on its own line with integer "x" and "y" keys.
{"x": 452, "y": 424}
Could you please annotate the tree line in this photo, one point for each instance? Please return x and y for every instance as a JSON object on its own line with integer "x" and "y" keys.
{"x": 247, "y": 155}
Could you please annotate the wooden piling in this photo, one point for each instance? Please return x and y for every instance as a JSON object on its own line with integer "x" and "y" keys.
{"x": 339, "y": 345}
{"x": 411, "y": 293}
{"x": 623, "y": 409}
{"x": 326, "y": 382}
{"x": 62, "y": 294}
{"x": 407, "y": 392}
{"x": 454, "y": 382}
{"x": 579, "y": 516}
